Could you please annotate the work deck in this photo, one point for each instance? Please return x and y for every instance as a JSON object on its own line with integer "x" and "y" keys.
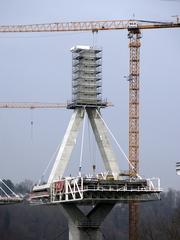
{"x": 84, "y": 190}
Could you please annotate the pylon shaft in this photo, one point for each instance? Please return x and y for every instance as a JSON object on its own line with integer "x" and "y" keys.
{"x": 86, "y": 226}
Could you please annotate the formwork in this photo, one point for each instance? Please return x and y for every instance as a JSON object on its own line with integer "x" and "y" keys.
{"x": 86, "y": 76}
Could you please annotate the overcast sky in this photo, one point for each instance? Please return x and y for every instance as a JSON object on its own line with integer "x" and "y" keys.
{"x": 37, "y": 67}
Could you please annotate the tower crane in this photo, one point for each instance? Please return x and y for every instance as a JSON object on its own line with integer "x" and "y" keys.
{"x": 31, "y": 105}
{"x": 134, "y": 28}
{"x": 7, "y": 199}
{"x": 35, "y": 105}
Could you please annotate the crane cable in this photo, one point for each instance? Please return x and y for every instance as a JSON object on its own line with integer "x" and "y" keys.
{"x": 89, "y": 141}
{"x": 95, "y": 34}
{"x": 82, "y": 144}
{"x": 91, "y": 149}
{"x": 115, "y": 140}
{"x": 32, "y": 125}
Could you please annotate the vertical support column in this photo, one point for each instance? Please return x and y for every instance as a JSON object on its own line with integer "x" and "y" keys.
{"x": 83, "y": 226}
{"x": 134, "y": 71}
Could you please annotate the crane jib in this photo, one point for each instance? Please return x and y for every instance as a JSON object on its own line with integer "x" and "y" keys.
{"x": 89, "y": 26}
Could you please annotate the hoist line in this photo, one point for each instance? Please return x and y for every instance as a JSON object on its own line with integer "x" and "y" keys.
{"x": 90, "y": 145}
{"x": 82, "y": 144}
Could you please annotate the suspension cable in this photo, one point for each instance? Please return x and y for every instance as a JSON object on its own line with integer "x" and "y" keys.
{"x": 4, "y": 192}
{"x": 82, "y": 144}
{"x": 120, "y": 148}
{"x": 9, "y": 188}
{"x": 47, "y": 167}
{"x": 90, "y": 145}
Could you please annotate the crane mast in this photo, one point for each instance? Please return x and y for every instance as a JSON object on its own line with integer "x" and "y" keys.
{"x": 134, "y": 68}
{"x": 134, "y": 71}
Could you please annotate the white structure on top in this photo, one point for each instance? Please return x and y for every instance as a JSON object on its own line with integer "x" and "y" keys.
{"x": 102, "y": 191}
{"x": 86, "y": 99}
{"x": 86, "y": 75}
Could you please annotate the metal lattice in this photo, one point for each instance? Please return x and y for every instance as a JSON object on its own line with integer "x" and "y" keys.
{"x": 86, "y": 82}
{"x": 134, "y": 45}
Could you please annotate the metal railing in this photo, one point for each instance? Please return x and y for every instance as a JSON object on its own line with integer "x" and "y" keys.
{"x": 75, "y": 188}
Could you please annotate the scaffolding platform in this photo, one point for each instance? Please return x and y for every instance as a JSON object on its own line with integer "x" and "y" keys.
{"x": 95, "y": 104}
{"x": 92, "y": 190}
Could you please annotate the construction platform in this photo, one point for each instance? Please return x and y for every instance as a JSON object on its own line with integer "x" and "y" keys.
{"x": 102, "y": 104}
{"x": 93, "y": 190}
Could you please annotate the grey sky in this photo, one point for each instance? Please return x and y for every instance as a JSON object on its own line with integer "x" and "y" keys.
{"x": 37, "y": 67}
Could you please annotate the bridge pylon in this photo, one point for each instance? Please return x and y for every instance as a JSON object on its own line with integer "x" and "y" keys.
{"x": 104, "y": 190}
{"x": 86, "y": 226}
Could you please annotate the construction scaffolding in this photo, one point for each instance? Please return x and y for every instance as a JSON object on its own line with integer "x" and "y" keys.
{"x": 103, "y": 190}
{"x": 86, "y": 76}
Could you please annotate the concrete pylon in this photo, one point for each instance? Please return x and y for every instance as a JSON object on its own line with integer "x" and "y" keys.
{"x": 67, "y": 145}
{"x": 69, "y": 140}
{"x": 86, "y": 227}
{"x": 104, "y": 145}
{"x": 86, "y": 99}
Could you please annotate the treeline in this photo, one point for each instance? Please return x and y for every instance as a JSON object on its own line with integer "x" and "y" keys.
{"x": 21, "y": 188}
{"x": 159, "y": 220}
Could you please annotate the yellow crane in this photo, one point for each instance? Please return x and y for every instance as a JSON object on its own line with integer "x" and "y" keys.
{"x": 31, "y": 105}
{"x": 134, "y": 28}
{"x": 89, "y": 26}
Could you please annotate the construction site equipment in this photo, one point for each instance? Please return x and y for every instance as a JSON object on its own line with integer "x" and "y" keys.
{"x": 109, "y": 188}
{"x": 86, "y": 82}
{"x": 134, "y": 27}
{"x": 92, "y": 190}
{"x": 134, "y": 71}
{"x": 94, "y": 26}
{"x": 31, "y": 105}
